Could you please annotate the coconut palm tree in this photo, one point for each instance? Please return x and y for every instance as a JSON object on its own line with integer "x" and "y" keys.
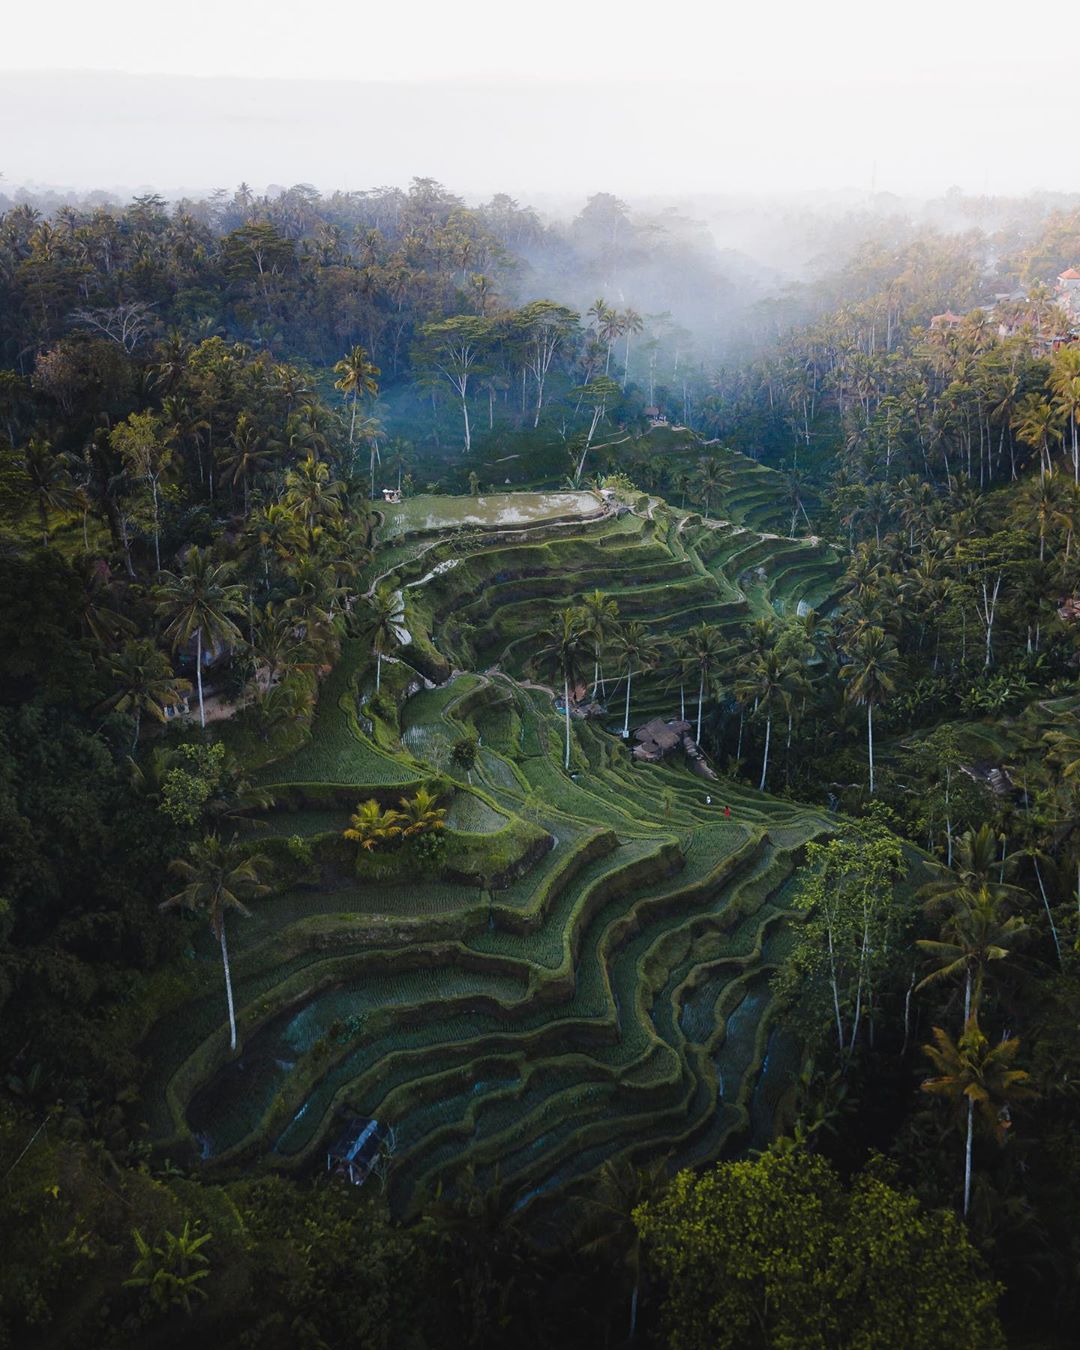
{"x": 631, "y": 325}
{"x": 370, "y": 826}
{"x": 311, "y": 493}
{"x": 764, "y": 681}
{"x": 248, "y": 456}
{"x": 50, "y": 482}
{"x": 1035, "y": 423}
{"x": 607, "y": 1231}
{"x": 144, "y": 683}
{"x": 600, "y": 615}
{"x": 635, "y": 650}
{"x": 383, "y": 622}
{"x": 1064, "y": 384}
{"x": 974, "y": 934}
{"x": 869, "y": 671}
{"x": 199, "y": 602}
{"x": 564, "y": 642}
{"x": 217, "y": 878}
{"x": 710, "y": 478}
{"x": 421, "y": 814}
{"x": 277, "y": 646}
{"x": 356, "y": 379}
{"x": 972, "y": 1074}
{"x": 701, "y": 651}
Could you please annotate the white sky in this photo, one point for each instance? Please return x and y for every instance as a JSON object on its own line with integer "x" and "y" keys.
{"x": 667, "y": 95}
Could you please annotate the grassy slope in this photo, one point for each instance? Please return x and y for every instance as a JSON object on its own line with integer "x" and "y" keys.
{"x": 612, "y": 998}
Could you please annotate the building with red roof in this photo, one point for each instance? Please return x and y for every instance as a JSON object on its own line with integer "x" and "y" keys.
{"x": 1068, "y": 293}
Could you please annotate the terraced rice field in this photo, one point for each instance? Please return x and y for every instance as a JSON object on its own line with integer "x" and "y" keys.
{"x": 603, "y": 991}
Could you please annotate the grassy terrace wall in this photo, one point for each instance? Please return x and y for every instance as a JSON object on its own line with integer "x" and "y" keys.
{"x": 583, "y": 971}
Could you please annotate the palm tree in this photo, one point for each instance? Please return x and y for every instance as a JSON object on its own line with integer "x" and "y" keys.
{"x": 278, "y": 532}
{"x": 370, "y": 826}
{"x": 978, "y": 860}
{"x": 421, "y": 814}
{"x": 218, "y": 878}
{"x": 702, "y": 651}
{"x": 144, "y": 683}
{"x": 764, "y": 682}
{"x": 632, "y": 325}
{"x": 311, "y": 493}
{"x": 1064, "y": 384}
{"x": 1037, "y": 501}
{"x": 249, "y": 456}
{"x": 276, "y": 645}
{"x": 355, "y": 380}
{"x": 384, "y": 624}
{"x": 1035, "y": 422}
{"x": 635, "y": 648}
{"x": 600, "y": 616}
{"x": 608, "y": 1231}
{"x": 710, "y": 478}
{"x": 973, "y": 1073}
{"x": 50, "y": 482}
{"x": 869, "y": 672}
{"x": 973, "y": 935}
{"x": 564, "y": 642}
{"x": 199, "y": 603}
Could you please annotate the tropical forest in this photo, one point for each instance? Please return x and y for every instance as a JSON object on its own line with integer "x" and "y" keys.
{"x": 539, "y": 773}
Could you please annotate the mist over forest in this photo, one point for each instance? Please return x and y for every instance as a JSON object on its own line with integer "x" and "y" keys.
{"x": 539, "y": 690}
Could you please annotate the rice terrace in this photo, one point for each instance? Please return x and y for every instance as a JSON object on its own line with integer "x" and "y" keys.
{"x": 583, "y": 975}
{"x": 539, "y": 745}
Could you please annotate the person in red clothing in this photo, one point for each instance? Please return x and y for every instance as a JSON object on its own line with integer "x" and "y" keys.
{"x": 727, "y": 810}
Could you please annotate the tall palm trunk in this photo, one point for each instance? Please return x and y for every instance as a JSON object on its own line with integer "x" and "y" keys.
{"x": 228, "y": 984}
{"x": 626, "y": 719}
{"x": 700, "y": 700}
{"x": 198, "y": 676}
{"x": 967, "y": 1154}
{"x": 765, "y": 759}
{"x": 378, "y": 668}
{"x": 566, "y": 714}
{"x": 870, "y": 742}
{"x": 157, "y": 530}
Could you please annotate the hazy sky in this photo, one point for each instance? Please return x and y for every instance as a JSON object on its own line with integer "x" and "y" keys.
{"x": 563, "y": 96}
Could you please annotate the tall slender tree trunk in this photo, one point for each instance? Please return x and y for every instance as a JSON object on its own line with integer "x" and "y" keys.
{"x": 157, "y": 530}
{"x": 700, "y": 699}
{"x": 870, "y": 742}
{"x": 198, "y": 676}
{"x": 378, "y": 668}
{"x": 765, "y": 757}
{"x": 626, "y": 719}
{"x": 566, "y": 713}
{"x": 967, "y": 1154}
{"x": 228, "y": 985}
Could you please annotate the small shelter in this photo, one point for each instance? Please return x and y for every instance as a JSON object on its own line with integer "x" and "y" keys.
{"x": 391, "y": 495}
{"x": 355, "y": 1153}
{"x": 658, "y": 738}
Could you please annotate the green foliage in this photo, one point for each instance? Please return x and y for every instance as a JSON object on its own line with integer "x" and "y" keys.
{"x": 843, "y": 949}
{"x": 778, "y": 1252}
{"x": 187, "y": 787}
{"x": 169, "y": 1272}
